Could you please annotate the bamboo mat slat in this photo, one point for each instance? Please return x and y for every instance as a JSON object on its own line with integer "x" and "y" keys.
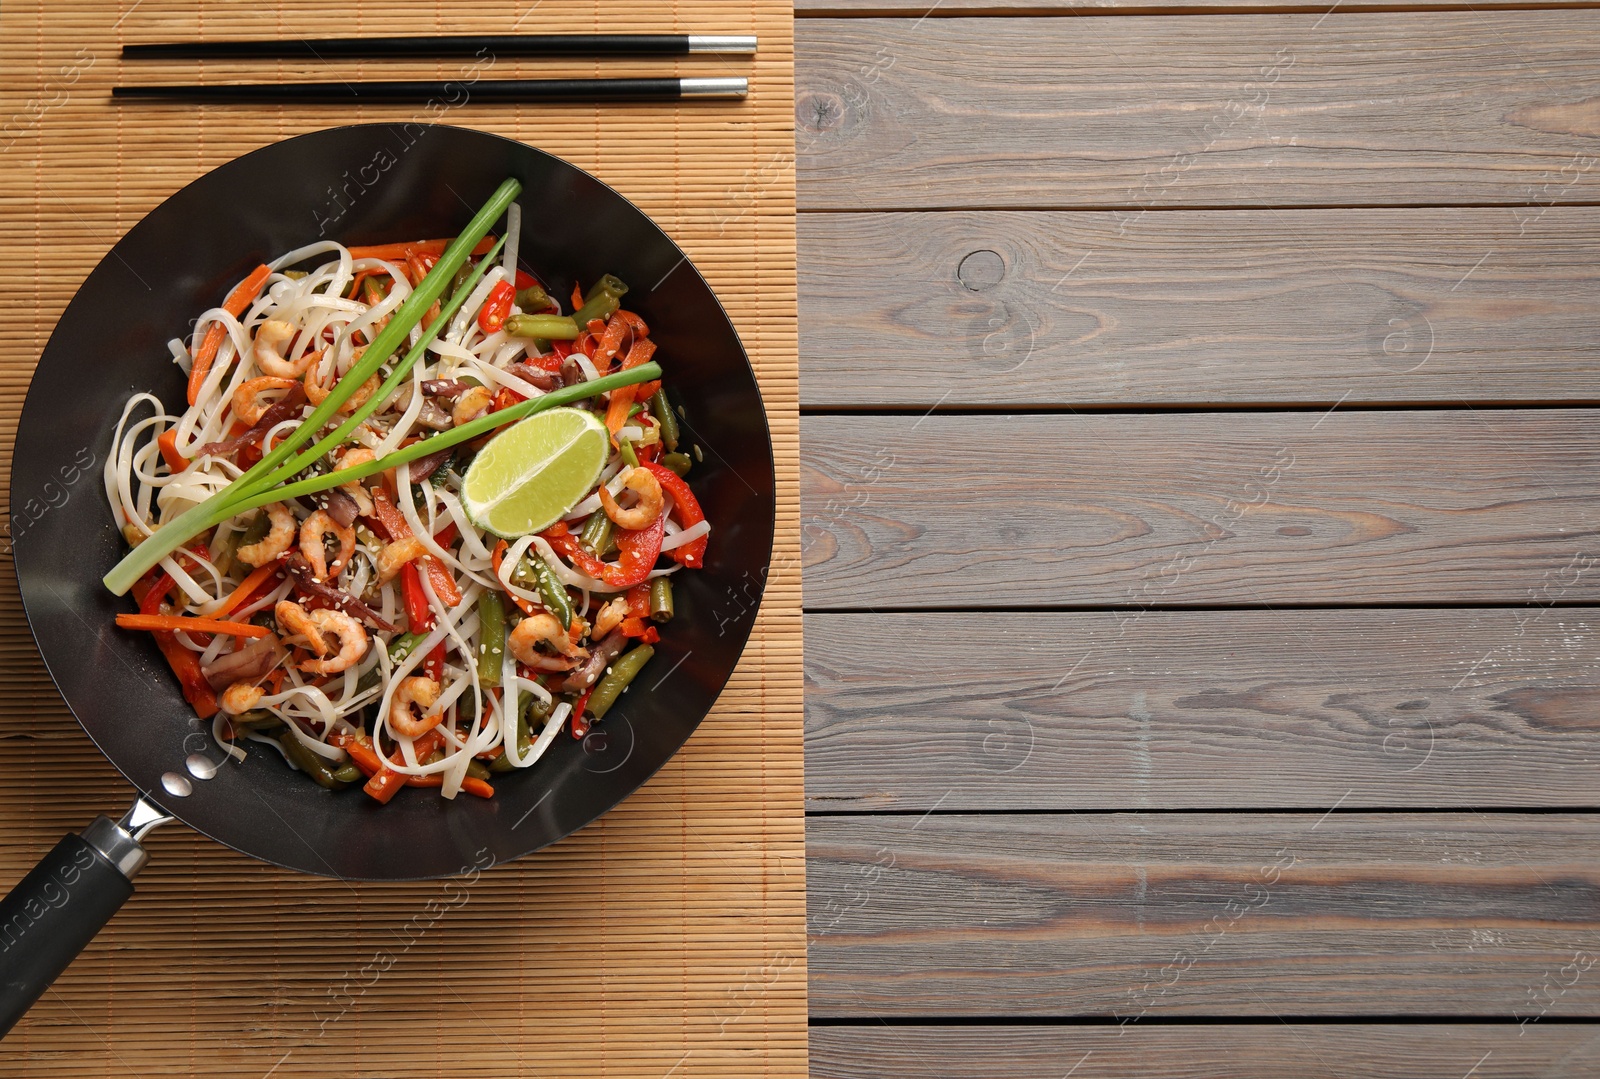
{"x": 668, "y": 938}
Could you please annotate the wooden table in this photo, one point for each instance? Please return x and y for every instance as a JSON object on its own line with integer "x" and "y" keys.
{"x": 1200, "y": 516}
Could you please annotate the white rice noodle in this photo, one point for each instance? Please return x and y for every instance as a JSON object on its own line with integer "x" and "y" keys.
{"x": 227, "y": 746}
{"x": 488, "y": 373}
{"x": 685, "y": 536}
{"x": 508, "y": 263}
{"x": 468, "y": 314}
{"x": 180, "y": 355}
{"x": 586, "y": 365}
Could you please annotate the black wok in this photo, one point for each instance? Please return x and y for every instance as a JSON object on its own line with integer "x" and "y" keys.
{"x": 364, "y": 184}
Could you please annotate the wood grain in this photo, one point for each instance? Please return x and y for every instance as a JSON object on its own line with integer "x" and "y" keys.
{"x": 1186, "y": 710}
{"x": 666, "y": 938}
{"x": 1176, "y": 510}
{"x": 1419, "y": 1051}
{"x": 1217, "y": 914}
{"x": 1445, "y": 108}
{"x": 947, "y": 9}
{"x": 1207, "y": 307}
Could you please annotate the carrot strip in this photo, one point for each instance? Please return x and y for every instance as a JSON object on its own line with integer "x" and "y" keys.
{"x": 168, "y": 442}
{"x": 240, "y": 298}
{"x": 175, "y": 623}
{"x": 246, "y": 588}
{"x": 623, "y": 397}
{"x": 385, "y": 782}
{"x": 403, "y": 251}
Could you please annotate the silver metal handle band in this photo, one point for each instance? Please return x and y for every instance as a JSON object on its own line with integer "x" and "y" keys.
{"x": 714, "y": 87}
{"x": 120, "y": 840}
{"x": 744, "y": 44}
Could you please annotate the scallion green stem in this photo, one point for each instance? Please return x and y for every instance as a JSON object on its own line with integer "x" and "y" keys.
{"x": 401, "y": 371}
{"x": 444, "y": 440}
{"x": 173, "y": 535}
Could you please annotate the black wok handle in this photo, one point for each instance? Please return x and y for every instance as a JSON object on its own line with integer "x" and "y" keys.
{"x": 56, "y": 910}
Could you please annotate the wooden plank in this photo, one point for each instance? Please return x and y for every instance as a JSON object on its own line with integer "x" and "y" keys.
{"x": 670, "y": 933}
{"x": 1192, "y": 710}
{"x": 1208, "y": 307}
{"x": 1138, "y": 112}
{"x": 1248, "y": 509}
{"x": 1218, "y": 914}
{"x": 944, "y": 9}
{"x": 1180, "y": 1051}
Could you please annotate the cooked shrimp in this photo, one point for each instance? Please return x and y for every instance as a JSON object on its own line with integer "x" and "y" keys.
{"x": 414, "y": 691}
{"x": 295, "y": 621}
{"x": 272, "y": 337}
{"x": 247, "y": 406}
{"x": 240, "y": 698}
{"x": 317, "y": 627}
{"x": 312, "y": 544}
{"x": 643, "y": 513}
{"x": 541, "y": 627}
{"x": 397, "y": 554}
{"x": 276, "y": 541}
{"x": 358, "y": 456}
{"x": 470, "y": 405}
{"x": 610, "y": 616}
{"x": 316, "y": 392}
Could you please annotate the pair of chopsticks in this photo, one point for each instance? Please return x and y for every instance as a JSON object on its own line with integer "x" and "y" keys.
{"x": 481, "y": 47}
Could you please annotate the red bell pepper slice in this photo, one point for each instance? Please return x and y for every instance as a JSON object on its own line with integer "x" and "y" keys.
{"x": 496, "y": 307}
{"x": 638, "y": 549}
{"x": 687, "y": 509}
{"x": 185, "y": 662}
{"x": 418, "y": 613}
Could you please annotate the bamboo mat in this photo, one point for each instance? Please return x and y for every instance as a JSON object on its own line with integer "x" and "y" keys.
{"x": 665, "y": 940}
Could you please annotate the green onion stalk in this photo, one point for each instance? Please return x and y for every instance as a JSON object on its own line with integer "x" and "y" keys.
{"x": 225, "y": 503}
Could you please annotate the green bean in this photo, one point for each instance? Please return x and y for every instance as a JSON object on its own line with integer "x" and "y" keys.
{"x": 664, "y": 417}
{"x": 374, "y": 290}
{"x": 533, "y": 298}
{"x": 610, "y": 687}
{"x": 625, "y": 447}
{"x": 295, "y": 275}
{"x": 348, "y": 773}
{"x": 548, "y": 327}
{"x": 678, "y": 462}
{"x": 661, "y": 599}
{"x": 477, "y": 770}
{"x": 601, "y": 301}
{"x": 553, "y": 592}
{"x": 607, "y": 283}
{"x": 596, "y": 532}
{"x": 310, "y": 762}
{"x": 531, "y": 707}
{"x": 257, "y": 719}
{"x": 491, "y": 637}
{"x": 461, "y": 276}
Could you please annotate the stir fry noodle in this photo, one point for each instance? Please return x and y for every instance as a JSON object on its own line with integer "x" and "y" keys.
{"x": 370, "y": 615}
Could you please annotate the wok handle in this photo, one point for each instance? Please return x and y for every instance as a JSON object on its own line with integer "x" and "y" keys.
{"x": 56, "y": 910}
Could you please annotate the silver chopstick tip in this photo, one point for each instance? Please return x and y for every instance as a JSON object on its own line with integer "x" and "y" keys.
{"x": 726, "y": 43}
{"x": 713, "y": 87}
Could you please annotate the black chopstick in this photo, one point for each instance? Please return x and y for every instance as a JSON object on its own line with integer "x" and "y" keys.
{"x": 350, "y": 48}
{"x": 456, "y": 93}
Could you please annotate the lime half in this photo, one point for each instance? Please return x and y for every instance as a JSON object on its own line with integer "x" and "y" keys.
{"x": 534, "y": 471}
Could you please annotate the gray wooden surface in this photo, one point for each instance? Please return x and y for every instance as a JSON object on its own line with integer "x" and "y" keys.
{"x": 1199, "y": 516}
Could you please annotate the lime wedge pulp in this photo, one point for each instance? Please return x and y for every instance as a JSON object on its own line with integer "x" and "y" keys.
{"x": 534, "y": 471}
